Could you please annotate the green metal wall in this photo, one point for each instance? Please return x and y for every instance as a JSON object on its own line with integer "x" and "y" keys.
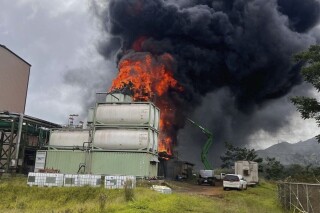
{"x": 108, "y": 163}
{"x": 123, "y": 163}
{"x": 67, "y": 161}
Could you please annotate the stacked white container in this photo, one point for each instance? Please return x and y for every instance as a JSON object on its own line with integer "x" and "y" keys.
{"x": 120, "y": 124}
{"x": 45, "y": 179}
{"x": 89, "y": 180}
{"x": 71, "y": 180}
{"x": 118, "y": 182}
{"x": 53, "y": 179}
{"x": 69, "y": 138}
{"x": 115, "y": 127}
{"x": 36, "y": 179}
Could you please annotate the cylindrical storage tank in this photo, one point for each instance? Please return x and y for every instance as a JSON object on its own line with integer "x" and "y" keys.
{"x": 129, "y": 114}
{"x": 124, "y": 139}
{"x": 68, "y": 137}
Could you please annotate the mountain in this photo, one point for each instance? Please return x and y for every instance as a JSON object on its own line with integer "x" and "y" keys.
{"x": 303, "y": 153}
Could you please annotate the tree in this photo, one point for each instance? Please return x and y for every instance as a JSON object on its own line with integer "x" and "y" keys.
{"x": 273, "y": 169}
{"x": 309, "y": 107}
{"x": 234, "y": 154}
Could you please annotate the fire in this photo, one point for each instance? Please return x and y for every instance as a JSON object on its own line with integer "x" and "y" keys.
{"x": 150, "y": 79}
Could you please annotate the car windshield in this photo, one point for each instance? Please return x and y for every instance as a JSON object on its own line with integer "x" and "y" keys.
{"x": 231, "y": 178}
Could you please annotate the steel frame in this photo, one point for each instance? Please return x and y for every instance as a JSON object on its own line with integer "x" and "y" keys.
{"x": 15, "y": 131}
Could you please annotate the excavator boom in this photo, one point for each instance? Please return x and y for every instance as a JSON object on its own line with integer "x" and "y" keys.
{"x": 206, "y": 147}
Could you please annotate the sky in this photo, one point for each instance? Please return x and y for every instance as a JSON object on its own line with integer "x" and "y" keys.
{"x": 59, "y": 39}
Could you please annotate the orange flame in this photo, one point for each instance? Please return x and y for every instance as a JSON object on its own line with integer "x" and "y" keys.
{"x": 149, "y": 78}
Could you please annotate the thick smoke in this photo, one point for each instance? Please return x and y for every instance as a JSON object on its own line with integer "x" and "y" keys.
{"x": 242, "y": 46}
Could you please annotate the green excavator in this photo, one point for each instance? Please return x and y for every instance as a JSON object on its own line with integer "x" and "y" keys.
{"x": 206, "y": 175}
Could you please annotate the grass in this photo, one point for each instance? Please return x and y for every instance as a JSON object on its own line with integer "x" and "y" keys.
{"x": 16, "y": 196}
{"x": 262, "y": 199}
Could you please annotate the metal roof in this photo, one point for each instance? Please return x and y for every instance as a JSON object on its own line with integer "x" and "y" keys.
{"x": 1, "y": 45}
{"x": 11, "y": 115}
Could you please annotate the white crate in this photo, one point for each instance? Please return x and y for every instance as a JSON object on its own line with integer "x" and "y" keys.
{"x": 45, "y": 179}
{"x": 71, "y": 180}
{"x": 40, "y": 160}
{"x": 118, "y": 182}
{"x": 161, "y": 189}
{"x": 53, "y": 179}
{"x": 36, "y": 179}
{"x": 90, "y": 180}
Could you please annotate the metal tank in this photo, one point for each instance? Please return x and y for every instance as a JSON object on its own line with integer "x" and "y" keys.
{"x": 68, "y": 137}
{"x": 128, "y": 114}
{"x": 125, "y": 139}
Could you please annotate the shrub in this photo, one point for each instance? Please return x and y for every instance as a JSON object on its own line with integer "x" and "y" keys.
{"x": 128, "y": 191}
{"x": 102, "y": 201}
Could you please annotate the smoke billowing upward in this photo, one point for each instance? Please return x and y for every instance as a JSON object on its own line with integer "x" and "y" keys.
{"x": 243, "y": 46}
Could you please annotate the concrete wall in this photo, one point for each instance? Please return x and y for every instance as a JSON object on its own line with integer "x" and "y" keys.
{"x": 14, "y": 79}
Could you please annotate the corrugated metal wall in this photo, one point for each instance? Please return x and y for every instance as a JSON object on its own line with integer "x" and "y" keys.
{"x": 66, "y": 161}
{"x": 123, "y": 163}
{"x": 108, "y": 163}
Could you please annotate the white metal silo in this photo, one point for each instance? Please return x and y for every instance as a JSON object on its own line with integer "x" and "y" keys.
{"x": 125, "y": 139}
{"x": 127, "y": 114}
{"x": 69, "y": 137}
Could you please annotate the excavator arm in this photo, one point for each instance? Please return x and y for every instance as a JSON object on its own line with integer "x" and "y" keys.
{"x": 206, "y": 147}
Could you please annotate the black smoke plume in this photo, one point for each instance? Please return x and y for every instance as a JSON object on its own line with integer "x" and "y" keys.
{"x": 244, "y": 47}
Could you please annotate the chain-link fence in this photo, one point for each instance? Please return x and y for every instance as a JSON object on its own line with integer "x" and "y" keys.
{"x": 299, "y": 197}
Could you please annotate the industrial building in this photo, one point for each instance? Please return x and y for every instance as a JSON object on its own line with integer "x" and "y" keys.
{"x": 20, "y": 135}
{"x": 14, "y": 72}
{"x": 121, "y": 139}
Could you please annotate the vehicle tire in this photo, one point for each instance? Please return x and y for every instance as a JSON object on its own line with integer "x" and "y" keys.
{"x": 246, "y": 187}
{"x": 213, "y": 184}
{"x": 224, "y": 188}
{"x": 241, "y": 187}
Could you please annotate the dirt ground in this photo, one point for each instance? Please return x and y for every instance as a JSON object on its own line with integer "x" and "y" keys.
{"x": 193, "y": 188}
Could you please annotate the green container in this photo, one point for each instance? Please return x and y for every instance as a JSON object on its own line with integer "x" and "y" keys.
{"x": 124, "y": 163}
{"x": 102, "y": 162}
{"x": 67, "y": 161}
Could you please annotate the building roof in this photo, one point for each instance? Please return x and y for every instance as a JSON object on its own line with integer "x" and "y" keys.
{"x": 1, "y": 45}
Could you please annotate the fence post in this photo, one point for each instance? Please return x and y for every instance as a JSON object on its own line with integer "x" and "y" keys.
{"x": 290, "y": 196}
{"x": 284, "y": 196}
{"x": 307, "y": 192}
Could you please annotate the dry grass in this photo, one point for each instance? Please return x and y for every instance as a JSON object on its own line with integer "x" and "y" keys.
{"x": 16, "y": 196}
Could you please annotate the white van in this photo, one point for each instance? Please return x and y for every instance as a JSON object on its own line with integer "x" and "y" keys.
{"x": 234, "y": 181}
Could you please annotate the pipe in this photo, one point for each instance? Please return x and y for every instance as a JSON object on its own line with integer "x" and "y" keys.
{"x": 19, "y": 138}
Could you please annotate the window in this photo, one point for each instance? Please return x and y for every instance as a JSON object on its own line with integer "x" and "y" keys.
{"x": 231, "y": 178}
{"x": 246, "y": 172}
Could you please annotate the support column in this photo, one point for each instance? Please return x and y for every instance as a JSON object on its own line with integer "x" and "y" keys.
{"x": 10, "y": 148}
